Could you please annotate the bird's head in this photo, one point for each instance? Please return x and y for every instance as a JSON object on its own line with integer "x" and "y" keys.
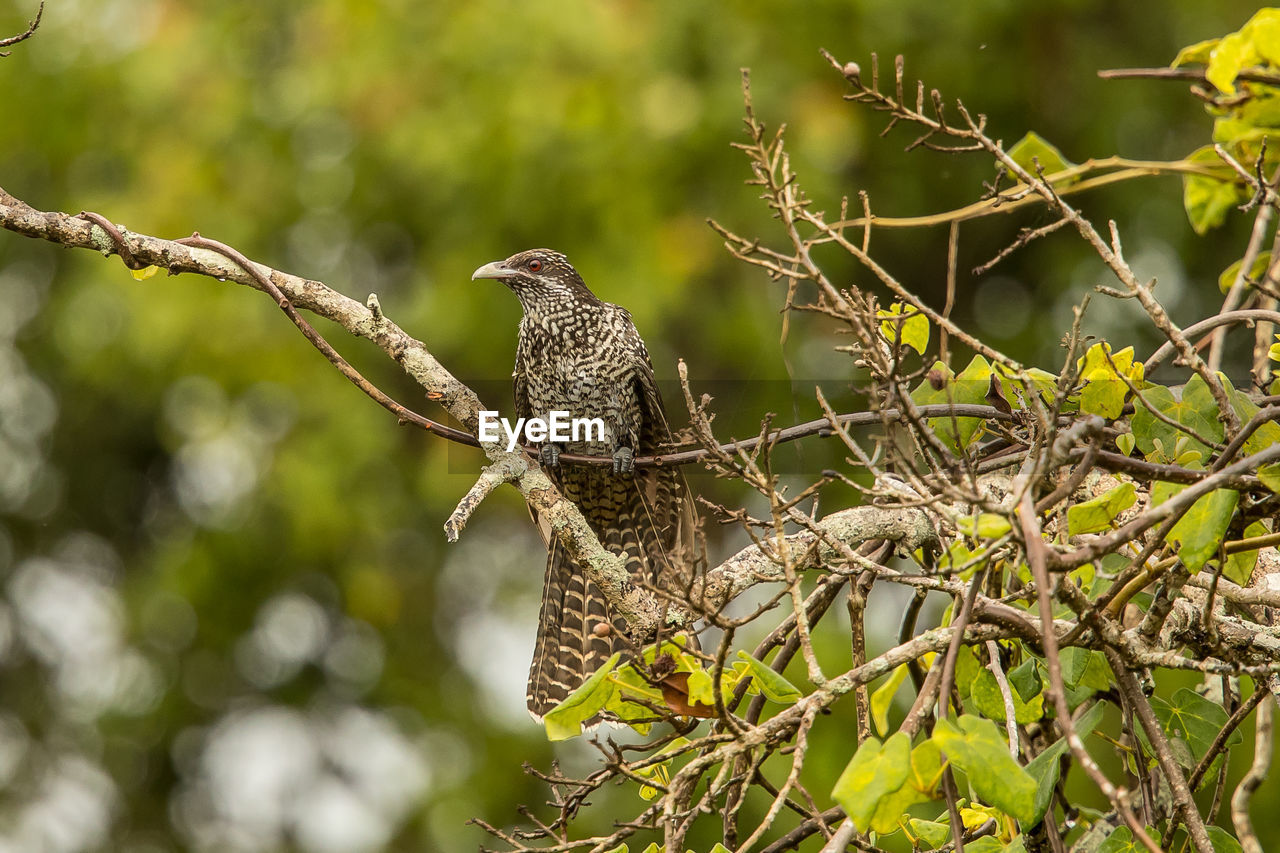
{"x": 538, "y": 277}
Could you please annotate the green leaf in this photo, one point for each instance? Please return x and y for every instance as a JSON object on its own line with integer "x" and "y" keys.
{"x": 652, "y": 848}
{"x": 967, "y": 667}
{"x": 1227, "y": 59}
{"x": 1191, "y": 718}
{"x": 1270, "y": 476}
{"x": 931, "y": 832}
{"x": 1033, "y": 148}
{"x": 1085, "y": 668}
{"x": 720, "y": 848}
{"x": 874, "y": 772}
{"x": 977, "y": 748}
{"x": 1125, "y": 442}
{"x": 700, "y": 687}
{"x": 986, "y": 694}
{"x": 1239, "y": 567}
{"x": 970, "y": 386}
{"x": 987, "y": 525}
{"x": 1025, "y": 678}
{"x": 1196, "y": 411}
{"x": 912, "y": 332}
{"x": 1104, "y": 390}
{"x": 1264, "y": 31}
{"x": 1260, "y": 264}
{"x": 1200, "y": 532}
{"x": 565, "y": 720}
{"x": 1097, "y": 514}
{"x": 921, "y": 787}
{"x": 1208, "y": 200}
{"x": 882, "y": 698}
{"x": 1223, "y": 841}
{"x": 1045, "y": 768}
{"x": 1197, "y": 53}
{"x": 774, "y": 687}
{"x": 892, "y": 807}
{"x": 1121, "y": 840}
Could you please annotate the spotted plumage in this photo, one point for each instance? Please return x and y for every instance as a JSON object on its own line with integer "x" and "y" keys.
{"x": 579, "y": 354}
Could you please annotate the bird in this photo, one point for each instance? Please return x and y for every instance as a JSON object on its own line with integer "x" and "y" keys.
{"x": 576, "y": 353}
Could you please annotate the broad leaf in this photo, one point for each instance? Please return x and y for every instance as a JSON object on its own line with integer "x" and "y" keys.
{"x": 1097, "y": 514}
{"x": 1199, "y": 533}
{"x": 1239, "y": 567}
{"x": 772, "y": 685}
{"x": 1104, "y": 390}
{"x": 970, "y": 386}
{"x": 882, "y": 698}
{"x": 1260, "y": 264}
{"x": 1045, "y": 768}
{"x": 565, "y": 720}
{"x": 933, "y": 833}
{"x": 1208, "y": 200}
{"x": 1270, "y": 476}
{"x": 986, "y": 694}
{"x": 1190, "y": 717}
{"x": 977, "y": 747}
{"x": 912, "y": 332}
{"x": 921, "y": 787}
{"x": 1032, "y": 149}
{"x": 1223, "y": 841}
{"x": 875, "y": 771}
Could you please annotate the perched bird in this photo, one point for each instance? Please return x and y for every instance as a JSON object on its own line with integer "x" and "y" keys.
{"x": 581, "y": 355}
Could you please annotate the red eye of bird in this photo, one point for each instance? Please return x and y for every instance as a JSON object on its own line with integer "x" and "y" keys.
{"x": 535, "y": 265}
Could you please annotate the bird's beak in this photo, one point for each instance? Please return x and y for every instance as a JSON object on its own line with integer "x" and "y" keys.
{"x": 493, "y": 270}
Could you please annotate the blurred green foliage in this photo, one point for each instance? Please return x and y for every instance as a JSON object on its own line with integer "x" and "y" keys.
{"x": 214, "y": 550}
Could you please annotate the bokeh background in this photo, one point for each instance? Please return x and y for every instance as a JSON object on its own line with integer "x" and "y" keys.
{"x": 229, "y": 618}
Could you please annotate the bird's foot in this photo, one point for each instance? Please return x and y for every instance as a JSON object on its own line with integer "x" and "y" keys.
{"x": 623, "y": 461}
{"x": 550, "y": 455}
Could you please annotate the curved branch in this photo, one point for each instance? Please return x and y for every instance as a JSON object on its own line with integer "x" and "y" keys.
{"x": 26, "y": 34}
{"x": 1166, "y": 349}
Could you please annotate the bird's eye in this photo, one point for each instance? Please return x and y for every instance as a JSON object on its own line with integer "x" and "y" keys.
{"x": 535, "y": 265}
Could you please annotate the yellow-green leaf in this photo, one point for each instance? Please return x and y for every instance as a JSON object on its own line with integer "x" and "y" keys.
{"x": 1197, "y": 53}
{"x": 1228, "y": 276}
{"x": 875, "y": 771}
{"x": 1208, "y": 200}
{"x": 1227, "y": 59}
{"x": 1200, "y": 531}
{"x": 976, "y": 746}
{"x": 1097, "y": 513}
{"x": 989, "y": 700}
{"x": 1239, "y": 567}
{"x": 882, "y": 698}
{"x": 774, "y": 687}
{"x": 988, "y": 525}
{"x": 1104, "y": 390}
{"x": 1270, "y": 476}
{"x": 970, "y": 386}
{"x": 912, "y": 331}
{"x": 1032, "y": 149}
{"x": 933, "y": 833}
{"x": 144, "y": 273}
{"x": 565, "y": 720}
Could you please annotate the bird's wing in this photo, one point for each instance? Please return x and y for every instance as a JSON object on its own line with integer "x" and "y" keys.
{"x": 664, "y": 491}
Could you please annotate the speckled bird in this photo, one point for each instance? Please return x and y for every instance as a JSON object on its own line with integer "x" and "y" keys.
{"x": 579, "y": 354}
